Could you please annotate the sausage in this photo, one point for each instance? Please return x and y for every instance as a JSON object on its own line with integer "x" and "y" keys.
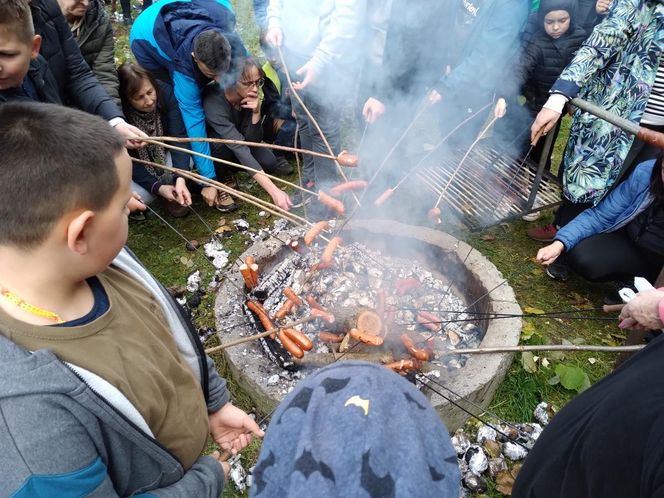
{"x": 249, "y": 261}
{"x": 434, "y": 215}
{"x": 346, "y": 186}
{"x": 330, "y": 337}
{"x": 328, "y": 253}
{"x": 257, "y": 309}
{"x": 331, "y": 202}
{"x": 315, "y": 231}
{"x": 383, "y": 197}
{"x": 302, "y": 341}
{"x": 401, "y": 365}
{"x": 250, "y": 280}
{"x": 325, "y": 315}
{"x": 290, "y": 294}
{"x": 313, "y": 304}
{"x": 419, "y": 354}
{"x": 403, "y": 285}
{"x": 372, "y": 340}
{"x": 429, "y": 320}
{"x": 290, "y": 345}
{"x": 285, "y": 309}
{"x": 347, "y": 160}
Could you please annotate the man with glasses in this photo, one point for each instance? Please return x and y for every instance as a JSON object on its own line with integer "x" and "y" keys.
{"x": 233, "y": 111}
{"x": 187, "y": 44}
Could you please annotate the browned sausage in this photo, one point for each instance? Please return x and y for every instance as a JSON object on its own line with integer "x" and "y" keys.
{"x": 330, "y": 337}
{"x": 315, "y": 231}
{"x": 347, "y": 160}
{"x": 325, "y": 315}
{"x": 250, "y": 260}
{"x": 419, "y": 354}
{"x": 347, "y": 186}
{"x": 331, "y": 202}
{"x": 285, "y": 309}
{"x": 328, "y": 253}
{"x": 299, "y": 338}
{"x": 262, "y": 315}
{"x": 383, "y": 197}
{"x": 429, "y": 320}
{"x": 401, "y": 365}
{"x": 314, "y": 304}
{"x": 290, "y": 294}
{"x": 373, "y": 340}
{"x": 290, "y": 345}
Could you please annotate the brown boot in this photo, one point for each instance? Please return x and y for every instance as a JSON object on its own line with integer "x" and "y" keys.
{"x": 225, "y": 203}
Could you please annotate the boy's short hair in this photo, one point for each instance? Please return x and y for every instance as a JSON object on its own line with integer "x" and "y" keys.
{"x": 212, "y": 49}
{"x": 53, "y": 160}
{"x": 15, "y": 17}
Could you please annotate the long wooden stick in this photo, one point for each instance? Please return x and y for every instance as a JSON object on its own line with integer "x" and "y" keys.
{"x": 312, "y": 120}
{"x": 255, "y": 337}
{"x": 260, "y": 203}
{"x": 223, "y": 161}
{"x": 546, "y": 347}
{"x": 261, "y": 145}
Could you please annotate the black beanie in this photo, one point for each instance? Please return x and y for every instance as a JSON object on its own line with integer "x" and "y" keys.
{"x": 355, "y": 429}
{"x": 547, "y": 6}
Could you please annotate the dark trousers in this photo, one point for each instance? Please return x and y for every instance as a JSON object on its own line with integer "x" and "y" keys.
{"x": 613, "y": 256}
{"x": 265, "y": 158}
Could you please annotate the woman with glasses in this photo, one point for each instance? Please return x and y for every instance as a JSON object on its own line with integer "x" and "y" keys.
{"x": 234, "y": 112}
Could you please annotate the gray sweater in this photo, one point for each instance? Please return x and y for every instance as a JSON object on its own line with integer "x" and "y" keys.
{"x": 64, "y": 431}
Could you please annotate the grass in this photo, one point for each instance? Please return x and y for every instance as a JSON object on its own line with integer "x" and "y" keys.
{"x": 164, "y": 253}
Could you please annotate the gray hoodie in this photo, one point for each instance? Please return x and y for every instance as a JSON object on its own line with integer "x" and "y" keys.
{"x": 65, "y": 431}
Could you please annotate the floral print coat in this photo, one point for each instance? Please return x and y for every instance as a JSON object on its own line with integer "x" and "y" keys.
{"x": 615, "y": 69}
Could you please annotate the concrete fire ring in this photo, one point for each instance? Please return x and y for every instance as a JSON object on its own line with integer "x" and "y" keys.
{"x": 473, "y": 277}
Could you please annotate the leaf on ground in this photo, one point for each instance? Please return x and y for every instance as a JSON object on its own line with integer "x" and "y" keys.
{"x": 533, "y": 311}
{"x": 504, "y": 482}
{"x": 487, "y": 237}
{"x": 545, "y": 363}
{"x": 572, "y": 378}
{"x": 592, "y": 361}
{"x": 221, "y": 222}
{"x": 565, "y": 342}
{"x": 557, "y": 355}
{"x": 527, "y": 331}
{"x": 554, "y": 381}
{"x": 537, "y": 271}
{"x": 223, "y": 228}
{"x": 528, "y": 362}
{"x": 578, "y": 340}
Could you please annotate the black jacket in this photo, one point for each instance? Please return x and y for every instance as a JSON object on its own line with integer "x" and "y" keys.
{"x": 76, "y": 83}
{"x": 45, "y": 85}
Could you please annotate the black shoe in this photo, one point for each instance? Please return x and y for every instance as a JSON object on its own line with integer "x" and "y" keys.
{"x": 558, "y": 271}
{"x": 281, "y": 168}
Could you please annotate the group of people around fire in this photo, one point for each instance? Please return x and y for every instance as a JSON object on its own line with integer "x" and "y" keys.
{"x": 105, "y": 389}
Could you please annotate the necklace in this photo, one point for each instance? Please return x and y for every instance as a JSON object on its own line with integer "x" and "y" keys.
{"x": 30, "y": 308}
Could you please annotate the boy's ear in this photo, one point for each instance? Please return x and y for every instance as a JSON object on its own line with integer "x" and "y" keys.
{"x": 36, "y": 46}
{"x": 77, "y": 232}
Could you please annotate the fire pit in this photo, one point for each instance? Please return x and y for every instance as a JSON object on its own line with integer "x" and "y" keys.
{"x": 430, "y": 272}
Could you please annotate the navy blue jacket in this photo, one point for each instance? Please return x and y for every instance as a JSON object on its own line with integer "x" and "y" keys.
{"x": 162, "y": 40}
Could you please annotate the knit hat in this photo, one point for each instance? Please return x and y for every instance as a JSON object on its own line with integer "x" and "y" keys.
{"x": 356, "y": 430}
{"x": 547, "y": 6}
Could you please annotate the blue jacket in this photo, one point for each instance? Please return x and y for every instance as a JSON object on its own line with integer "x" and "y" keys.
{"x": 162, "y": 39}
{"x": 616, "y": 210}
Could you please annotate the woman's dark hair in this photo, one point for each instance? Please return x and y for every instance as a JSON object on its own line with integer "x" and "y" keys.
{"x": 245, "y": 65}
{"x": 131, "y": 78}
{"x": 656, "y": 184}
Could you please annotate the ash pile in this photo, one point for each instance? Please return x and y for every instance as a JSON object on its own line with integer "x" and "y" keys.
{"x": 366, "y": 305}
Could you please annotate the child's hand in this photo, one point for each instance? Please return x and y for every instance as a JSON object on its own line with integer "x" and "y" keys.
{"x": 274, "y": 37}
{"x": 232, "y": 429}
{"x": 547, "y": 255}
{"x": 281, "y": 199}
{"x": 501, "y": 108}
{"x": 209, "y": 195}
{"x": 136, "y": 203}
{"x": 602, "y": 6}
{"x": 544, "y": 122}
{"x": 224, "y": 464}
{"x": 182, "y": 194}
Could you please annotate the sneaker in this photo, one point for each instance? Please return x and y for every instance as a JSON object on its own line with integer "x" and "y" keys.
{"x": 281, "y": 168}
{"x": 545, "y": 233}
{"x": 535, "y": 215}
{"x": 558, "y": 271}
{"x": 225, "y": 203}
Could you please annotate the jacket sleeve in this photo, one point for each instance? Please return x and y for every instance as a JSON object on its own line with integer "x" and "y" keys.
{"x": 219, "y": 121}
{"x": 188, "y": 96}
{"x": 174, "y": 126}
{"x": 83, "y": 88}
{"x": 104, "y": 64}
{"x": 608, "y": 212}
{"x": 605, "y": 41}
{"x": 205, "y": 479}
{"x": 218, "y": 394}
{"x": 339, "y": 34}
{"x": 496, "y": 46}
{"x": 144, "y": 178}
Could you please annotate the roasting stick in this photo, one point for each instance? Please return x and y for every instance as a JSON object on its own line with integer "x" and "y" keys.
{"x": 547, "y": 347}
{"x": 223, "y": 161}
{"x": 312, "y": 120}
{"x": 261, "y": 145}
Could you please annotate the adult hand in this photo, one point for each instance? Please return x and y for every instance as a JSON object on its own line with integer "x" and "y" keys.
{"x": 547, "y": 255}
{"x": 373, "y": 109}
{"x": 500, "y": 109}
{"x": 182, "y": 194}
{"x": 224, "y": 464}
{"x": 232, "y": 429}
{"x": 602, "y": 6}
{"x": 309, "y": 75}
{"x": 274, "y": 37}
{"x": 544, "y": 122}
{"x": 642, "y": 312}
{"x": 132, "y": 134}
{"x": 435, "y": 97}
{"x": 209, "y": 195}
{"x": 281, "y": 199}
{"x": 167, "y": 192}
{"x": 136, "y": 203}
{"x": 251, "y": 102}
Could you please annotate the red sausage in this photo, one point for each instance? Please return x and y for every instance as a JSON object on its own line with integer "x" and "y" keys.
{"x": 401, "y": 365}
{"x": 325, "y": 315}
{"x": 290, "y": 294}
{"x": 347, "y": 160}
{"x": 383, "y": 197}
{"x": 315, "y": 231}
{"x": 302, "y": 341}
{"x": 419, "y": 354}
{"x": 328, "y": 253}
{"x": 434, "y": 215}
{"x": 290, "y": 345}
{"x": 262, "y": 315}
{"x": 403, "y": 285}
{"x": 330, "y": 337}
{"x": 285, "y": 309}
{"x": 429, "y": 320}
{"x": 373, "y": 340}
{"x": 331, "y": 202}
{"x": 346, "y": 186}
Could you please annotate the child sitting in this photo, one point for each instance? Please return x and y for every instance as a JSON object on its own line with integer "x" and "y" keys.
{"x": 104, "y": 387}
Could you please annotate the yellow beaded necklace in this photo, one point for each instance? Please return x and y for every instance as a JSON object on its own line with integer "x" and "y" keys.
{"x": 30, "y": 308}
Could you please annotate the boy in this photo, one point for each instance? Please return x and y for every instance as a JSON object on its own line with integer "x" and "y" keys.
{"x": 103, "y": 382}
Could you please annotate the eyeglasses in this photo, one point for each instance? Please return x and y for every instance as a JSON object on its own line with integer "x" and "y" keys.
{"x": 258, "y": 83}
